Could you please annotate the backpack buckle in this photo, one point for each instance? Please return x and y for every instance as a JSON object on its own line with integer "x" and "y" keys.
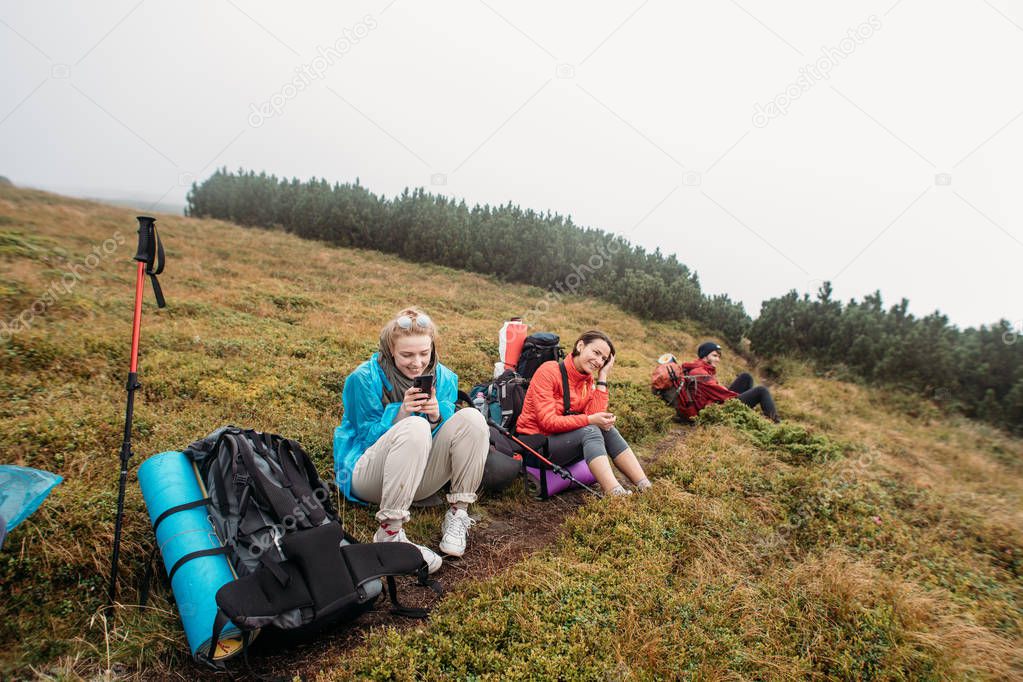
{"x": 241, "y": 475}
{"x": 276, "y": 534}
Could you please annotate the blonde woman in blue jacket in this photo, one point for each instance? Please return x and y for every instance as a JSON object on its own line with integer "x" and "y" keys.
{"x": 397, "y": 444}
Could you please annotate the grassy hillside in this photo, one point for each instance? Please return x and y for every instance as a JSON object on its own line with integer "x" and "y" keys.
{"x": 854, "y": 540}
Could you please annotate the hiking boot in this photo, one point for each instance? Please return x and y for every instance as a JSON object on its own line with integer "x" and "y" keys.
{"x": 455, "y": 529}
{"x": 432, "y": 559}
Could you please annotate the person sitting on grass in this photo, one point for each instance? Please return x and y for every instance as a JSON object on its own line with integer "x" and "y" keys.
{"x": 708, "y": 390}
{"x": 398, "y": 444}
{"x": 587, "y": 430}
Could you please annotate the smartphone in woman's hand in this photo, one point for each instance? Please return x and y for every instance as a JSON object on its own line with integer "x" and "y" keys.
{"x": 424, "y": 382}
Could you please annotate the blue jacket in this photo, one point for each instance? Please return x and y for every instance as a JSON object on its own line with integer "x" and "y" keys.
{"x": 366, "y": 417}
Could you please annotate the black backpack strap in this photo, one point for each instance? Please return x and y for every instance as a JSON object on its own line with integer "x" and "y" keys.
{"x": 306, "y": 510}
{"x": 271, "y": 564}
{"x": 293, "y": 457}
{"x": 227, "y": 441}
{"x": 195, "y": 555}
{"x": 396, "y": 606}
{"x": 423, "y": 576}
{"x": 564, "y": 387}
{"x": 318, "y": 553}
{"x": 370, "y": 560}
{"x": 282, "y": 503}
{"x": 147, "y": 579}
{"x": 178, "y": 508}
{"x": 219, "y": 623}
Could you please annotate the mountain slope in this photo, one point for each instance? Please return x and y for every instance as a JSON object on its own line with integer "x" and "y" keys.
{"x": 854, "y": 540}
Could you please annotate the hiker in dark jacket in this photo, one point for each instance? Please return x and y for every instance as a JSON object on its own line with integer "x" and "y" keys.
{"x": 708, "y": 390}
{"x": 587, "y": 430}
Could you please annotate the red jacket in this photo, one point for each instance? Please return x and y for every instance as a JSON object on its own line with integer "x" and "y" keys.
{"x": 708, "y": 390}
{"x": 543, "y": 411}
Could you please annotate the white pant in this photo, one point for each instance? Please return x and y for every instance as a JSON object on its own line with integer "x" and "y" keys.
{"x": 407, "y": 463}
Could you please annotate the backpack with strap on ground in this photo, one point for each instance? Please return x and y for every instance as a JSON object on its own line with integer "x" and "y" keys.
{"x": 297, "y": 569}
{"x": 674, "y": 384}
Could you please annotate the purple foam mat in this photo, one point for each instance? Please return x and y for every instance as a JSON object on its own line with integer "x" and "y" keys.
{"x": 556, "y": 484}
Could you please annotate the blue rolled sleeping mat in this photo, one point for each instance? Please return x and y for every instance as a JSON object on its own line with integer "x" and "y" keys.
{"x": 168, "y": 480}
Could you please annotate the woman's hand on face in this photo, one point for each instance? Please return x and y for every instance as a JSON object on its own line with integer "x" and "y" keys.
{"x": 415, "y": 400}
{"x": 605, "y": 420}
{"x": 605, "y": 371}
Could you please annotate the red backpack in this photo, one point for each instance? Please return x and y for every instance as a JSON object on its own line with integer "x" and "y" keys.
{"x": 673, "y": 383}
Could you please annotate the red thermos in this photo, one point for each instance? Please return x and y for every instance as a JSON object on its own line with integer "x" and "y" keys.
{"x": 510, "y": 339}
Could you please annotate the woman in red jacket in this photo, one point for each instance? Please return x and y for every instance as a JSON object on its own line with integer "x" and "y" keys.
{"x": 586, "y": 429}
{"x": 708, "y": 390}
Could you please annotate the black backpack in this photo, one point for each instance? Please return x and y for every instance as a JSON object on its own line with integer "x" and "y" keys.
{"x": 501, "y": 400}
{"x": 298, "y": 570}
{"x": 537, "y": 349}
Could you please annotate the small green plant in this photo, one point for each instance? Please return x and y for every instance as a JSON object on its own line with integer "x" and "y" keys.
{"x": 794, "y": 443}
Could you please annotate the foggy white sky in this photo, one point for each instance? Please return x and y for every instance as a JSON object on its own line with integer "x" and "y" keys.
{"x": 897, "y": 168}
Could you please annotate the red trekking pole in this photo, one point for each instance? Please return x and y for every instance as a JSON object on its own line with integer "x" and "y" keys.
{"x": 150, "y": 262}
{"x": 559, "y": 470}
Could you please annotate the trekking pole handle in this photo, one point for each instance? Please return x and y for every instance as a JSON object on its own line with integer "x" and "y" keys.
{"x": 144, "y": 253}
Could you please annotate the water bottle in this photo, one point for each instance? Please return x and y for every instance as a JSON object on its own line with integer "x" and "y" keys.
{"x": 479, "y": 401}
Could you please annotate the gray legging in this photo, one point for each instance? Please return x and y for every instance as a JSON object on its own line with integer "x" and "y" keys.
{"x": 752, "y": 396}
{"x": 588, "y": 442}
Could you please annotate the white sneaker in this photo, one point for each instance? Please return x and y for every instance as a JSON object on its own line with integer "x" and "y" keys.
{"x": 432, "y": 559}
{"x": 455, "y": 529}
